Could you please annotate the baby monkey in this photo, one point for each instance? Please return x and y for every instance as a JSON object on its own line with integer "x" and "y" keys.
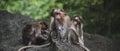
{"x": 35, "y": 33}
{"x": 78, "y": 24}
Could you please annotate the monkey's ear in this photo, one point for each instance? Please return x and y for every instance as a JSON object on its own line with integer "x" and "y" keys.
{"x": 52, "y": 12}
{"x": 45, "y": 26}
{"x": 53, "y": 9}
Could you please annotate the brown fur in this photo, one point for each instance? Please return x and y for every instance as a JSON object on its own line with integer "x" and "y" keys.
{"x": 78, "y": 24}
{"x": 59, "y": 20}
{"x": 34, "y": 34}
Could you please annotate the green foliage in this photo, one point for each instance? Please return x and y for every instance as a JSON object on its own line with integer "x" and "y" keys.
{"x": 36, "y": 9}
{"x": 100, "y": 16}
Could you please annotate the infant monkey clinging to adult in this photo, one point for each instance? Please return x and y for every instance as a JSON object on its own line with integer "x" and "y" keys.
{"x": 78, "y": 24}
{"x": 35, "y": 34}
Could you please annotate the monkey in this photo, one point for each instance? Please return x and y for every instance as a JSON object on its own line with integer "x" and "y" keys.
{"x": 35, "y": 34}
{"x": 62, "y": 28}
{"x": 77, "y": 23}
{"x": 34, "y": 31}
{"x": 59, "y": 24}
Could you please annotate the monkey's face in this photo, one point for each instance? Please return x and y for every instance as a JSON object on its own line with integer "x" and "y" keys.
{"x": 58, "y": 14}
{"x": 77, "y": 20}
{"x": 35, "y": 29}
{"x": 34, "y": 32}
{"x": 42, "y": 31}
{"x": 43, "y": 26}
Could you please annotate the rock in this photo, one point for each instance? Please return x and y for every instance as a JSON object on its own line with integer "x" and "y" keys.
{"x": 98, "y": 43}
{"x": 10, "y": 30}
{"x": 10, "y": 36}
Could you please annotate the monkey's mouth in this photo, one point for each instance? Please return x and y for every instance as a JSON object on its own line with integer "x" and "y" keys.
{"x": 75, "y": 22}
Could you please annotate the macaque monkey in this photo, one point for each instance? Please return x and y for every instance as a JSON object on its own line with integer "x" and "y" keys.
{"x": 62, "y": 28}
{"x": 60, "y": 23}
{"x": 77, "y": 22}
{"x": 35, "y": 34}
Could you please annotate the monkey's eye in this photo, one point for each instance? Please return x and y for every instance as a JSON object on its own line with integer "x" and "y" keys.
{"x": 57, "y": 13}
{"x": 76, "y": 21}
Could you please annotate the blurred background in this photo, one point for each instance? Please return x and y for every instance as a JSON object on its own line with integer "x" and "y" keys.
{"x": 100, "y": 16}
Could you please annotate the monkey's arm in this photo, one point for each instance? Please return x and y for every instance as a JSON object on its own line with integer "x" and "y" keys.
{"x": 74, "y": 37}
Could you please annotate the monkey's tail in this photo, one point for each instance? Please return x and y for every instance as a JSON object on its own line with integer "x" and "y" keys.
{"x": 35, "y": 46}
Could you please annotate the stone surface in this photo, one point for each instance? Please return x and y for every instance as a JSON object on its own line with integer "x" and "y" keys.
{"x": 10, "y": 37}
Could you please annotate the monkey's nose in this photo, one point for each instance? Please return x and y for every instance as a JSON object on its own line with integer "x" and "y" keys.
{"x": 58, "y": 17}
